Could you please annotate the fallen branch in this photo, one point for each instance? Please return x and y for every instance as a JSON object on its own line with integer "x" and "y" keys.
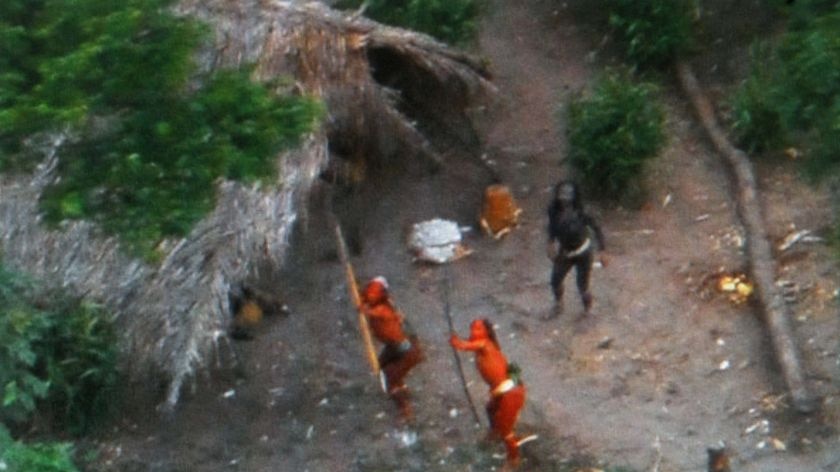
{"x": 759, "y": 250}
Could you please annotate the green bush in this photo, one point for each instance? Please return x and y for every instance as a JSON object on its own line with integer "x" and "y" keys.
{"x": 653, "y": 32}
{"x": 756, "y": 117}
{"x": 792, "y": 93}
{"x": 613, "y": 132}
{"x": 80, "y": 363}
{"x": 149, "y": 136}
{"x": 810, "y": 71}
{"x": 451, "y": 21}
{"x": 834, "y": 234}
{"x": 803, "y": 12}
{"x": 39, "y": 457}
{"x": 22, "y": 328}
{"x": 824, "y": 157}
{"x": 58, "y": 353}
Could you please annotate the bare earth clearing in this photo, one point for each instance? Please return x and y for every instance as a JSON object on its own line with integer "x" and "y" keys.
{"x": 664, "y": 367}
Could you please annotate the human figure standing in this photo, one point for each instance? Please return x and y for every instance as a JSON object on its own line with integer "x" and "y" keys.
{"x": 401, "y": 352}
{"x": 507, "y": 392}
{"x": 570, "y": 234}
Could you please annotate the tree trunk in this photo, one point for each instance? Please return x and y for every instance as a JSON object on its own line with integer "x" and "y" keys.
{"x": 761, "y": 262}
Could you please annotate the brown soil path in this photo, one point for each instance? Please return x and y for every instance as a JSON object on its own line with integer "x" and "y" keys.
{"x": 682, "y": 368}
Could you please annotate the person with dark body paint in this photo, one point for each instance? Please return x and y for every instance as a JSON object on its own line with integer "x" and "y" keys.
{"x": 571, "y": 232}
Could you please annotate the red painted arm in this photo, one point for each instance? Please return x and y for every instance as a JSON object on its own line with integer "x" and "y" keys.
{"x": 466, "y": 345}
{"x": 378, "y": 312}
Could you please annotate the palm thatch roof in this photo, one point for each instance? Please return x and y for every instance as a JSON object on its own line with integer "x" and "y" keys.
{"x": 174, "y": 314}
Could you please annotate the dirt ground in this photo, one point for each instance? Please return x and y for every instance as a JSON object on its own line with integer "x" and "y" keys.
{"x": 664, "y": 367}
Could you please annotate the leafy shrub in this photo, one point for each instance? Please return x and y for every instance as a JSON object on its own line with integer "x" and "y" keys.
{"x": 793, "y": 90}
{"x": 41, "y": 457}
{"x": 57, "y": 352}
{"x": 810, "y": 71}
{"x": 756, "y": 118}
{"x": 824, "y": 158}
{"x": 834, "y": 234}
{"x": 80, "y": 363}
{"x": 21, "y": 330}
{"x": 149, "y": 137}
{"x": 451, "y": 21}
{"x": 613, "y": 132}
{"x": 653, "y": 32}
{"x": 803, "y": 12}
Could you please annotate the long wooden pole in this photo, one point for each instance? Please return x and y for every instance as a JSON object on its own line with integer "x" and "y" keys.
{"x": 357, "y": 300}
{"x": 763, "y": 267}
{"x": 448, "y": 315}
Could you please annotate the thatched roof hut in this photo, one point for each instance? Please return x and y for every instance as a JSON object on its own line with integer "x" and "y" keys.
{"x": 173, "y": 314}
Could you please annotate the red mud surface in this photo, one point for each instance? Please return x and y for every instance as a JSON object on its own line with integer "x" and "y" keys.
{"x": 663, "y": 368}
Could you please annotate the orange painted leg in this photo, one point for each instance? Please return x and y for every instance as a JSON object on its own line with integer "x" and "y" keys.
{"x": 394, "y": 370}
{"x": 503, "y": 415}
{"x": 397, "y": 365}
{"x": 512, "y": 446}
{"x": 402, "y": 398}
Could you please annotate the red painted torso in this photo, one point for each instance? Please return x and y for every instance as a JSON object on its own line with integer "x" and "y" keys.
{"x": 385, "y": 323}
{"x": 491, "y": 363}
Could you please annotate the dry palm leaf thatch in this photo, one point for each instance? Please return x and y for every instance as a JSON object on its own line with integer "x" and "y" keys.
{"x": 367, "y": 73}
{"x": 173, "y": 315}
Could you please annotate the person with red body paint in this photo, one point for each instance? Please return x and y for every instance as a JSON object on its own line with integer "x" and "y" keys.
{"x": 507, "y": 392}
{"x": 401, "y": 352}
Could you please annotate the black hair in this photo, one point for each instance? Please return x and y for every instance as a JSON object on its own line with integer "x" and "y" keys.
{"x": 576, "y": 201}
{"x": 491, "y": 332}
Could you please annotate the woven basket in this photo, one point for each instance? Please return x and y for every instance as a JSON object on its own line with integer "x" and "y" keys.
{"x": 499, "y": 212}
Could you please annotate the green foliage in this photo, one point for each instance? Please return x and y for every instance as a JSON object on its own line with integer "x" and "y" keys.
{"x": 79, "y": 59}
{"x": 57, "y": 352}
{"x": 80, "y": 363}
{"x": 803, "y": 12}
{"x": 613, "y": 132}
{"x": 451, "y": 21}
{"x": 792, "y": 96}
{"x": 793, "y": 92}
{"x": 16, "y": 456}
{"x": 17, "y": 46}
{"x": 653, "y": 32}
{"x": 834, "y": 235}
{"x": 810, "y": 71}
{"x": 824, "y": 158}
{"x": 21, "y": 330}
{"x": 756, "y": 119}
{"x": 149, "y": 138}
